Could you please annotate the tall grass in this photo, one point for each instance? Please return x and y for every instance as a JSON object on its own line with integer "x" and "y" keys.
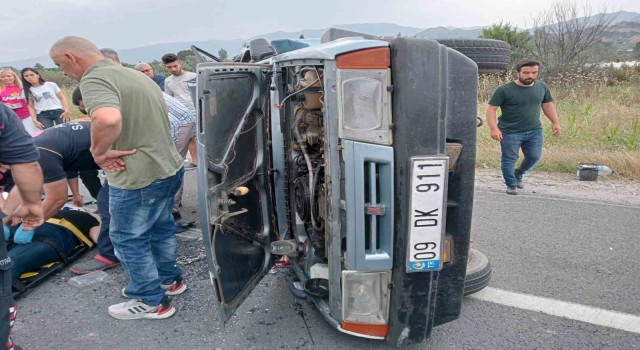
{"x": 599, "y": 112}
{"x": 600, "y": 115}
{"x": 67, "y": 91}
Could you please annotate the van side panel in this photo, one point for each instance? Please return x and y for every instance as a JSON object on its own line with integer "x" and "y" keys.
{"x": 419, "y": 78}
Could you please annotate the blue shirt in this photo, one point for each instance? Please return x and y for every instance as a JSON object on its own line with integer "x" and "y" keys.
{"x": 159, "y": 79}
{"x": 179, "y": 115}
{"x": 65, "y": 150}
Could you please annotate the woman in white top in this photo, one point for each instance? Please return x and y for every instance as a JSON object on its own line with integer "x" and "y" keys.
{"x": 45, "y": 97}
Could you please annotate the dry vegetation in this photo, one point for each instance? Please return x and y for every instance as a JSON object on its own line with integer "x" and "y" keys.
{"x": 600, "y": 114}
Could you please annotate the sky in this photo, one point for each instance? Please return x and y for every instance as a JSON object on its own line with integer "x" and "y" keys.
{"x": 29, "y": 27}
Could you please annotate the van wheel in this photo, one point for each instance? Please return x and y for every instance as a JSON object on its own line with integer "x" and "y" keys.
{"x": 478, "y": 272}
{"x": 491, "y": 56}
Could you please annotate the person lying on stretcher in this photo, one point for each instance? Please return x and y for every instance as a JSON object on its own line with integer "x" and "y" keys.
{"x": 58, "y": 237}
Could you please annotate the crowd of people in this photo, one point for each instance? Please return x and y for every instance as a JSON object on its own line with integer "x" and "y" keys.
{"x": 140, "y": 127}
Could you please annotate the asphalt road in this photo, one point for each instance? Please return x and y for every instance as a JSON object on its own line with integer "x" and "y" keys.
{"x": 580, "y": 252}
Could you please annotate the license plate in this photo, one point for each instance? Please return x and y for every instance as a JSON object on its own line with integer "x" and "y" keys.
{"x": 428, "y": 212}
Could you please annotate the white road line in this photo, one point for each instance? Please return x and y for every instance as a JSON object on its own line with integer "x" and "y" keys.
{"x": 588, "y": 314}
{"x": 563, "y": 199}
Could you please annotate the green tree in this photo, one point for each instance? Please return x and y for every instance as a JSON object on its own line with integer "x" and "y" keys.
{"x": 223, "y": 55}
{"x": 158, "y": 68}
{"x": 183, "y": 54}
{"x": 636, "y": 49}
{"x": 188, "y": 60}
{"x": 520, "y": 40}
{"x": 38, "y": 67}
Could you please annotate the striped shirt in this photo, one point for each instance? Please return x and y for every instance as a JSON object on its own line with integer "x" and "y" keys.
{"x": 179, "y": 115}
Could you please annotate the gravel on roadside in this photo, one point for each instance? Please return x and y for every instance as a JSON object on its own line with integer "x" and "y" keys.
{"x": 607, "y": 188}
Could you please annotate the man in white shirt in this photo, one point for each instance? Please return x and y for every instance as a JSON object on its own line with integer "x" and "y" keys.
{"x": 176, "y": 86}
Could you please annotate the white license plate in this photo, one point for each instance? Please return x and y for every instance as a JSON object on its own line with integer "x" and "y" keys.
{"x": 428, "y": 212}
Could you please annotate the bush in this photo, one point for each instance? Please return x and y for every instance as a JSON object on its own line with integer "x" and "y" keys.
{"x": 598, "y": 112}
{"x": 57, "y": 77}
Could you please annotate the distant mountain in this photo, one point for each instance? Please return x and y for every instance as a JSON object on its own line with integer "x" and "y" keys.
{"x": 145, "y": 53}
{"x": 149, "y": 53}
{"x": 154, "y": 52}
{"x": 623, "y": 35}
{"x": 29, "y": 62}
{"x": 449, "y": 33}
{"x": 381, "y": 29}
{"x": 615, "y": 18}
{"x": 622, "y": 16}
{"x": 623, "y": 24}
{"x": 623, "y": 32}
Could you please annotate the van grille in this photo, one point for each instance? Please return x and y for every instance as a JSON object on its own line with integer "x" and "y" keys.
{"x": 369, "y": 206}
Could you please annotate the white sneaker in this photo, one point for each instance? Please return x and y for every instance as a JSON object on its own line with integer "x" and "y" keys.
{"x": 137, "y": 309}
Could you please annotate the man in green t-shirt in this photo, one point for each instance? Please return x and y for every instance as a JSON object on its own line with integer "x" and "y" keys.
{"x": 519, "y": 126}
{"x": 131, "y": 141}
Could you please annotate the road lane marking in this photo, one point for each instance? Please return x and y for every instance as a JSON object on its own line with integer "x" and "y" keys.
{"x": 561, "y": 199}
{"x": 582, "y": 313}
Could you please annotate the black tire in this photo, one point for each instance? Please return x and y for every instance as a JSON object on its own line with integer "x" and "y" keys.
{"x": 490, "y": 55}
{"x": 478, "y": 272}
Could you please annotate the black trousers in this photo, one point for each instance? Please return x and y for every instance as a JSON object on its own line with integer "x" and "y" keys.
{"x": 91, "y": 181}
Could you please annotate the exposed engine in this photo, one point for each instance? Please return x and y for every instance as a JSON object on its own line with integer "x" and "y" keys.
{"x": 308, "y": 153}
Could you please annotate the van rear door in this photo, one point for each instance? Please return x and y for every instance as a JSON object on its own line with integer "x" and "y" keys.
{"x": 234, "y": 203}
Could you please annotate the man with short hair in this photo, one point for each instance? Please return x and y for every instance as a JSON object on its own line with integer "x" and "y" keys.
{"x": 106, "y": 257}
{"x": 182, "y": 124}
{"x": 131, "y": 141}
{"x": 176, "y": 86}
{"x": 148, "y": 70}
{"x": 110, "y": 54}
{"x": 519, "y": 126}
{"x": 76, "y": 99}
{"x": 18, "y": 154}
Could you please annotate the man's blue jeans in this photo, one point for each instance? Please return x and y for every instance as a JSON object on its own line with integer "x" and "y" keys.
{"x": 531, "y": 144}
{"x": 143, "y": 233}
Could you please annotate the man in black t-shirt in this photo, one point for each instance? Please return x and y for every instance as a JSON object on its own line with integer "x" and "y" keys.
{"x": 18, "y": 154}
{"x": 64, "y": 149}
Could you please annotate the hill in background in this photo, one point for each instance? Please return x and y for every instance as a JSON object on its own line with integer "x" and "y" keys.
{"x": 622, "y": 36}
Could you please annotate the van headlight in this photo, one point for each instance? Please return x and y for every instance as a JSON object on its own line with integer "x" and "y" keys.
{"x": 365, "y": 303}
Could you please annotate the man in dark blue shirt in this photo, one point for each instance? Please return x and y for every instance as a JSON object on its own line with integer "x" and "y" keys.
{"x": 148, "y": 70}
{"x": 18, "y": 154}
{"x": 64, "y": 149}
